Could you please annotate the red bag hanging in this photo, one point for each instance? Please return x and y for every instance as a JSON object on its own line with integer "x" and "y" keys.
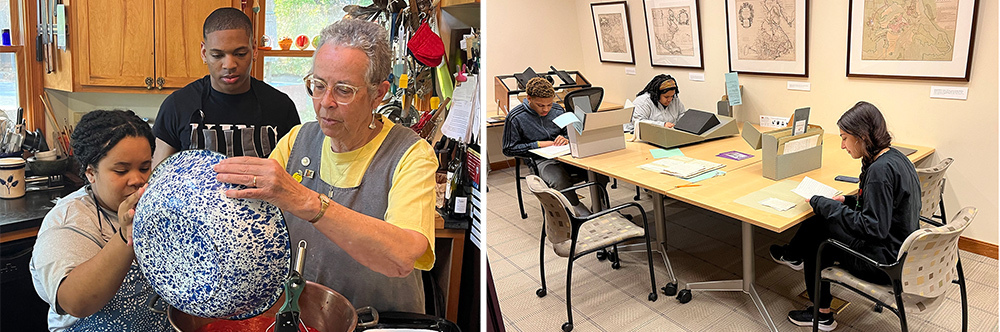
{"x": 426, "y": 46}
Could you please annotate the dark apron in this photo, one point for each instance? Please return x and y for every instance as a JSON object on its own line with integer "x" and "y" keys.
{"x": 328, "y": 264}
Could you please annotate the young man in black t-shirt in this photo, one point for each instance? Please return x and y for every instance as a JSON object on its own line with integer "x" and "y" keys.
{"x": 228, "y": 95}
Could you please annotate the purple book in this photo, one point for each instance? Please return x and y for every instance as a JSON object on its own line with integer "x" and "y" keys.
{"x": 735, "y": 155}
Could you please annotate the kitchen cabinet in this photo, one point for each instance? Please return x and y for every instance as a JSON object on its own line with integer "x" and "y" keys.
{"x": 128, "y": 45}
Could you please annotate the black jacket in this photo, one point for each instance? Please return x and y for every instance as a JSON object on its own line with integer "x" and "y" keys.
{"x": 885, "y": 211}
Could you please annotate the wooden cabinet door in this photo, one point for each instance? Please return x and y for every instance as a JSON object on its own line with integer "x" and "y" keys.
{"x": 116, "y": 42}
{"x": 178, "y": 39}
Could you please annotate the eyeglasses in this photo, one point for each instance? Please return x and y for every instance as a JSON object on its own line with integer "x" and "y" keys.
{"x": 343, "y": 93}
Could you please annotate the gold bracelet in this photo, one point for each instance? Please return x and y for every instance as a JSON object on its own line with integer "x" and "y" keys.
{"x": 324, "y": 202}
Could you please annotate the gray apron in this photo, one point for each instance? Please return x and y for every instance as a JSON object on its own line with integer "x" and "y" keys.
{"x": 328, "y": 264}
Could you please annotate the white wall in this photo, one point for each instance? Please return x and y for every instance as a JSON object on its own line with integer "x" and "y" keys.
{"x": 537, "y": 34}
{"x": 964, "y": 130}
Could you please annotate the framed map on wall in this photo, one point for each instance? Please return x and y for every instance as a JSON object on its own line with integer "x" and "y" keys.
{"x": 614, "y": 31}
{"x": 768, "y": 37}
{"x": 673, "y": 28}
{"x": 930, "y": 39}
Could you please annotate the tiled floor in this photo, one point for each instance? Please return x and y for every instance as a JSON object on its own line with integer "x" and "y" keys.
{"x": 702, "y": 246}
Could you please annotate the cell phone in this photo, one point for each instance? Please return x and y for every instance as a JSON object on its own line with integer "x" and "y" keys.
{"x": 846, "y": 178}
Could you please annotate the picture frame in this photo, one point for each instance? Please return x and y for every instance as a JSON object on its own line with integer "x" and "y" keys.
{"x": 876, "y": 47}
{"x": 768, "y": 37}
{"x": 613, "y": 29}
{"x": 673, "y": 30}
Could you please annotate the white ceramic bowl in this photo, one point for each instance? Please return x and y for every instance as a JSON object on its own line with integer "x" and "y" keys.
{"x": 204, "y": 253}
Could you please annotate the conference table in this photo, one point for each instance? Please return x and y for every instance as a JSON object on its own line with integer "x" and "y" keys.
{"x": 718, "y": 194}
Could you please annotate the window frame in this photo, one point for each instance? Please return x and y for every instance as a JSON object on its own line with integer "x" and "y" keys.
{"x": 23, "y": 18}
{"x": 259, "y": 23}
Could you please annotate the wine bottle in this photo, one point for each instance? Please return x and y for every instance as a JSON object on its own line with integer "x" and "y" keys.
{"x": 458, "y": 201}
{"x": 454, "y": 165}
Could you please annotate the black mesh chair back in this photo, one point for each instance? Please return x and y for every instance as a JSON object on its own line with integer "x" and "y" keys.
{"x": 595, "y": 93}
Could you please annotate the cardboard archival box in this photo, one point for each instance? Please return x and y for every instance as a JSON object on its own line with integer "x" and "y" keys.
{"x": 805, "y": 153}
{"x": 602, "y": 132}
{"x": 670, "y": 137}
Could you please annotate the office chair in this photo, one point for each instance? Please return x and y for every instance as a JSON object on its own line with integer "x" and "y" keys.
{"x": 595, "y": 93}
{"x": 932, "y": 190}
{"x": 517, "y": 181}
{"x": 573, "y": 236}
{"x": 925, "y": 265}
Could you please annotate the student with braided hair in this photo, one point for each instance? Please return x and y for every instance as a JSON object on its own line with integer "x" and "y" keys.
{"x": 83, "y": 263}
{"x": 529, "y": 126}
{"x": 657, "y": 103}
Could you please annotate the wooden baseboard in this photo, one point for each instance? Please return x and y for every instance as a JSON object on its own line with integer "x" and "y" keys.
{"x": 978, "y": 247}
{"x": 496, "y": 166}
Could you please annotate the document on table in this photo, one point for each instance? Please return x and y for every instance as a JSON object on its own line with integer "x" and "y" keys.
{"x": 553, "y": 151}
{"x": 681, "y": 166}
{"x": 662, "y": 153}
{"x": 809, "y": 188}
{"x": 777, "y": 204}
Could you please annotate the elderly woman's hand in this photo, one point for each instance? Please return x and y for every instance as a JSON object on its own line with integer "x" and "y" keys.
{"x": 265, "y": 179}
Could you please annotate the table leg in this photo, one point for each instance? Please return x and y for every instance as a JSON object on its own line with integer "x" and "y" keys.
{"x": 595, "y": 193}
{"x": 660, "y": 244}
{"x": 745, "y": 285}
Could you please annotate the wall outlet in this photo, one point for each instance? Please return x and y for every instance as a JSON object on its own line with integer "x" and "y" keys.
{"x": 773, "y": 121}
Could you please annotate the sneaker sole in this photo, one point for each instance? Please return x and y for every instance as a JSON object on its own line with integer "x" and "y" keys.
{"x": 786, "y": 263}
{"x": 810, "y": 324}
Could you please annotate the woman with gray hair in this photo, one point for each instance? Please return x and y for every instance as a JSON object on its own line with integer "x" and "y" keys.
{"x": 358, "y": 188}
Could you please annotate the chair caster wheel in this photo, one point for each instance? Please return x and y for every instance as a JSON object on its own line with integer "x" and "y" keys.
{"x": 540, "y": 292}
{"x": 684, "y": 296}
{"x": 612, "y": 257}
{"x": 652, "y": 297}
{"x": 567, "y": 327}
{"x": 670, "y": 289}
{"x": 877, "y": 308}
{"x": 616, "y": 265}
{"x": 602, "y": 255}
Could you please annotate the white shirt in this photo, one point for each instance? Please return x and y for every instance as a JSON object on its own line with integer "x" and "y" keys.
{"x": 650, "y": 111}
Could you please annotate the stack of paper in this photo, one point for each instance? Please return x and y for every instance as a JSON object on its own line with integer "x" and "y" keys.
{"x": 777, "y": 204}
{"x": 552, "y": 151}
{"x": 681, "y": 166}
{"x": 809, "y": 188}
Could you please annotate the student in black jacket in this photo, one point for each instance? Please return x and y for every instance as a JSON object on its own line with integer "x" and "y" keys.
{"x": 874, "y": 222}
{"x": 529, "y": 126}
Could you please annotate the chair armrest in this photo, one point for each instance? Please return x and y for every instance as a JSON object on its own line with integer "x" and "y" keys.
{"x": 604, "y": 191}
{"x": 844, "y": 247}
{"x": 601, "y": 213}
{"x": 894, "y": 271}
{"x": 931, "y": 221}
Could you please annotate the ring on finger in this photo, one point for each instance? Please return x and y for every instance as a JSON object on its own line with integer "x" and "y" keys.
{"x": 254, "y": 184}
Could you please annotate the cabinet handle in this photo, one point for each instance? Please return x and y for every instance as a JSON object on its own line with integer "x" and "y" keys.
{"x": 159, "y": 83}
{"x": 149, "y": 83}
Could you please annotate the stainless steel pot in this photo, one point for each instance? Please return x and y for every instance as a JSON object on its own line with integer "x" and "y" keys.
{"x": 321, "y": 308}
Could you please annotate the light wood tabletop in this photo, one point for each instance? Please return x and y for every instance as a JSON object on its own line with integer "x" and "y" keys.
{"x": 624, "y": 164}
{"x": 718, "y": 194}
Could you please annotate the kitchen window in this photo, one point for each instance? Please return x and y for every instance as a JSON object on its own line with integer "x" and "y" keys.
{"x": 285, "y": 68}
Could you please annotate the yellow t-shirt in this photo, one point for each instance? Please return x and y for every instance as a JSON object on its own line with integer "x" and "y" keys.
{"x": 411, "y": 195}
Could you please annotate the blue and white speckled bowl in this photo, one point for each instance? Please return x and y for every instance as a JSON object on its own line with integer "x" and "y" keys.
{"x": 204, "y": 253}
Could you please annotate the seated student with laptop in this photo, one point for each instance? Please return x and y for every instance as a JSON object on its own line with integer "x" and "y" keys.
{"x": 529, "y": 126}
{"x": 657, "y": 103}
